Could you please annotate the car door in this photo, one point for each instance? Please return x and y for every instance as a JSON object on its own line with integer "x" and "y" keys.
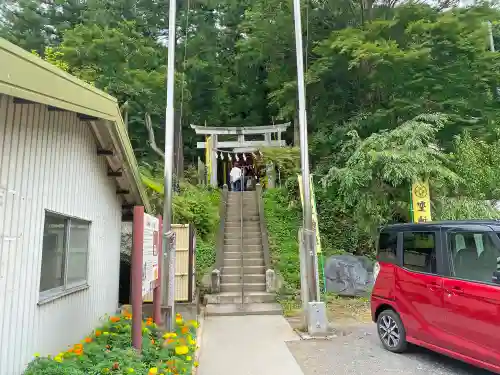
{"x": 419, "y": 287}
{"x": 471, "y": 298}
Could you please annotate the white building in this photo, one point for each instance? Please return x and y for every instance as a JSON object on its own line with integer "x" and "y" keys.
{"x": 68, "y": 176}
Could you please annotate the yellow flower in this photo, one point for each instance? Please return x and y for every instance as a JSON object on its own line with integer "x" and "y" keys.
{"x": 37, "y": 355}
{"x": 188, "y": 358}
{"x": 105, "y": 333}
{"x": 170, "y": 335}
{"x": 196, "y": 364}
{"x": 153, "y": 371}
{"x": 58, "y": 359}
{"x": 130, "y": 370}
{"x": 179, "y": 321}
{"x": 181, "y": 350}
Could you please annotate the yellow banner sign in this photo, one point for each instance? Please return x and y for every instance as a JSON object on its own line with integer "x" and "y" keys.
{"x": 421, "y": 199}
{"x": 208, "y": 158}
{"x": 313, "y": 208}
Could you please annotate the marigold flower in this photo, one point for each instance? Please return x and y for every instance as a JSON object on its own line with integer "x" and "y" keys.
{"x": 196, "y": 364}
{"x": 188, "y": 358}
{"x": 78, "y": 346}
{"x": 169, "y": 335}
{"x": 88, "y": 340}
{"x": 179, "y": 321}
{"x": 58, "y": 358}
{"x": 152, "y": 341}
{"x": 181, "y": 350}
{"x": 153, "y": 371}
{"x": 115, "y": 319}
{"x": 98, "y": 333}
{"x": 37, "y": 355}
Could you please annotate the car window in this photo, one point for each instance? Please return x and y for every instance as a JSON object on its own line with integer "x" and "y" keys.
{"x": 419, "y": 251}
{"x": 387, "y": 247}
{"x": 473, "y": 256}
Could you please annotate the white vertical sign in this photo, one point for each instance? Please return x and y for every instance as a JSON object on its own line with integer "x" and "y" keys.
{"x": 150, "y": 254}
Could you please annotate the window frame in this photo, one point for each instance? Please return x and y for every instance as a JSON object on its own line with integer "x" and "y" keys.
{"x": 50, "y": 295}
{"x": 437, "y": 245}
{"x": 390, "y": 233}
{"x": 447, "y": 246}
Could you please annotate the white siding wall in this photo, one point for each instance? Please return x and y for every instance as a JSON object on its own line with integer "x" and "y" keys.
{"x": 48, "y": 161}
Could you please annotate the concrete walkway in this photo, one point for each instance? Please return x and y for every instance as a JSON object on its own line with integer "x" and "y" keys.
{"x": 247, "y": 345}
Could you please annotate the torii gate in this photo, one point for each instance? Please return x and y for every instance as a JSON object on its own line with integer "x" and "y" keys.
{"x": 240, "y": 144}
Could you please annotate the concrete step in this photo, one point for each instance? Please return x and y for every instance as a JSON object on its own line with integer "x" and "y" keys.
{"x": 236, "y": 234}
{"x": 249, "y": 270}
{"x": 246, "y": 241}
{"x": 249, "y": 279}
{"x": 246, "y": 262}
{"x": 246, "y": 255}
{"x": 245, "y": 309}
{"x": 246, "y": 215}
{"x": 246, "y": 249}
{"x": 235, "y": 297}
{"x": 249, "y": 226}
{"x": 247, "y": 287}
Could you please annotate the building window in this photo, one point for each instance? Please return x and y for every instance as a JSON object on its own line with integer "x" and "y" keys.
{"x": 419, "y": 252}
{"x": 64, "y": 254}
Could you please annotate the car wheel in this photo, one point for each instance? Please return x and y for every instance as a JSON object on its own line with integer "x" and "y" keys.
{"x": 391, "y": 331}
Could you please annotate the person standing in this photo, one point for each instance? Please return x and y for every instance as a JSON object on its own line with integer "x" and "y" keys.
{"x": 235, "y": 176}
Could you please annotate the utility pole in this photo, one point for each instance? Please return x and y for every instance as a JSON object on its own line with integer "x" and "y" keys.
{"x": 496, "y": 93}
{"x": 490, "y": 35}
{"x": 168, "y": 251}
{"x": 315, "y": 311}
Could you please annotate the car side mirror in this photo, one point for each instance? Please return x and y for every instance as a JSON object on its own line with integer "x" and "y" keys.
{"x": 496, "y": 277}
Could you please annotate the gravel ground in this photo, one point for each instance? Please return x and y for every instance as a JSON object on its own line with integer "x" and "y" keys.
{"x": 357, "y": 351}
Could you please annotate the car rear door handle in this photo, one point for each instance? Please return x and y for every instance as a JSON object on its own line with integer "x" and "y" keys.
{"x": 455, "y": 290}
{"x": 433, "y": 286}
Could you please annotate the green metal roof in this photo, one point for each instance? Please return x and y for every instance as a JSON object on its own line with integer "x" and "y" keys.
{"x": 26, "y": 76}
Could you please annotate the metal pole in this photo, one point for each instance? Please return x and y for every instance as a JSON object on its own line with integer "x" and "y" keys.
{"x": 304, "y": 147}
{"x": 490, "y": 35}
{"x": 168, "y": 289}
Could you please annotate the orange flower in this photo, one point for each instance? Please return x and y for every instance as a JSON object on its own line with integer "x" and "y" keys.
{"x": 184, "y": 329}
{"x": 115, "y": 319}
{"x": 98, "y": 333}
{"x": 71, "y": 350}
{"x": 78, "y": 346}
{"x": 116, "y": 366}
{"x": 88, "y": 340}
{"x": 78, "y": 351}
{"x": 152, "y": 342}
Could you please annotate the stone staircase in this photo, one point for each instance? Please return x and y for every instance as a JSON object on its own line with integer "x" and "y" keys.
{"x": 242, "y": 259}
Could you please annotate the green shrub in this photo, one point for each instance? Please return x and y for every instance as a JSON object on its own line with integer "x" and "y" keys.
{"x": 283, "y": 222}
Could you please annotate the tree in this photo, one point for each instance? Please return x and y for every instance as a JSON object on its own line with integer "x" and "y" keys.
{"x": 375, "y": 181}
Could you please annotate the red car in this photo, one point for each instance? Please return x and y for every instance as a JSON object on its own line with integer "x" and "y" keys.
{"x": 437, "y": 285}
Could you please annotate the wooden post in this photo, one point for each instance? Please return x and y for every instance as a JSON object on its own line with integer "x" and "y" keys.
{"x": 136, "y": 276}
